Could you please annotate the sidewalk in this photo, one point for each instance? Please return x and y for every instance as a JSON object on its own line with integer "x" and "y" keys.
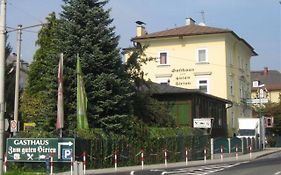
{"x": 244, "y": 157}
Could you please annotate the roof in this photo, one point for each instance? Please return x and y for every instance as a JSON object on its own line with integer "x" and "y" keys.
{"x": 191, "y": 30}
{"x": 271, "y": 79}
{"x": 164, "y": 89}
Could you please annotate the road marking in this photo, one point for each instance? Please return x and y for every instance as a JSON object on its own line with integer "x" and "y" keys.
{"x": 279, "y": 172}
{"x": 201, "y": 170}
{"x": 155, "y": 170}
{"x": 132, "y": 172}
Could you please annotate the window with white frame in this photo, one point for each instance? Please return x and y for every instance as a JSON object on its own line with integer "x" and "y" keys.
{"x": 242, "y": 89}
{"x": 163, "y": 58}
{"x": 202, "y": 55}
{"x": 232, "y": 120}
{"x": 240, "y": 62}
{"x": 231, "y": 85}
{"x": 230, "y": 59}
{"x": 202, "y": 85}
{"x": 163, "y": 80}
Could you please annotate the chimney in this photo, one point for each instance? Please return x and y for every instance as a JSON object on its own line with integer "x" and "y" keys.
{"x": 140, "y": 31}
{"x": 265, "y": 71}
{"x": 189, "y": 21}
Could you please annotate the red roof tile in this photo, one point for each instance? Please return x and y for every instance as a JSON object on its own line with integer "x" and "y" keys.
{"x": 191, "y": 30}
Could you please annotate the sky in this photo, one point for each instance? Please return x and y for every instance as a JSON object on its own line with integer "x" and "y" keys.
{"x": 256, "y": 21}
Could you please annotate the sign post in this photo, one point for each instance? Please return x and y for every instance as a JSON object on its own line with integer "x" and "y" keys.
{"x": 38, "y": 149}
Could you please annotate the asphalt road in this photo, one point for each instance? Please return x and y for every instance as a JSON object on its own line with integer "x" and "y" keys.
{"x": 268, "y": 165}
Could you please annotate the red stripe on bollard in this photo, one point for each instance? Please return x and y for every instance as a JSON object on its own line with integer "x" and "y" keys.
{"x": 142, "y": 158}
{"x": 115, "y": 160}
{"x": 84, "y": 162}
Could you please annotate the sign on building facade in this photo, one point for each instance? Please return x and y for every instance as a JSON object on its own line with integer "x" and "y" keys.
{"x": 202, "y": 123}
{"x": 39, "y": 149}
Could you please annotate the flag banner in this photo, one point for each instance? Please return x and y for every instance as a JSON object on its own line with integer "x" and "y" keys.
{"x": 82, "y": 121}
{"x": 60, "y": 111}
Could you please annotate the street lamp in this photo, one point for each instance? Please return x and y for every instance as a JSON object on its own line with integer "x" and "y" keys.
{"x": 261, "y": 96}
{"x": 257, "y": 84}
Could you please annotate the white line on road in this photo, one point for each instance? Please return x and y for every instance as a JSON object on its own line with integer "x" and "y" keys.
{"x": 132, "y": 172}
{"x": 279, "y": 172}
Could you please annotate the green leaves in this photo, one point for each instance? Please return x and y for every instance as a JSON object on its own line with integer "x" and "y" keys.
{"x": 38, "y": 103}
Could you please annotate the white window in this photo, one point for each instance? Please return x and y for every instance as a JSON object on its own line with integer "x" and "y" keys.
{"x": 240, "y": 62}
{"x": 203, "y": 85}
{"x": 163, "y": 58}
{"x": 242, "y": 89}
{"x": 220, "y": 122}
{"x": 202, "y": 55}
{"x": 231, "y": 86}
{"x": 232, "y": 120}
{"x": 230, "y": 59}
{"x": 163, "y": 80}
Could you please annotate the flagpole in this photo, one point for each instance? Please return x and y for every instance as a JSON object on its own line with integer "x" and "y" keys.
{"x": 61, "y": 57}
{"x": 60, "y": 110}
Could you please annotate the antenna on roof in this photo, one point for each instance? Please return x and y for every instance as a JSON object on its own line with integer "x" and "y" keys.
{"x": 203, "y": 16}
{"x": 140, "y": 23}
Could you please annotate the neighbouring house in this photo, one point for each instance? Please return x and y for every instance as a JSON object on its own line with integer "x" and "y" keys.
{"x": 272, "y": 84}
{"x": 188, "y": 104}
{"x": 214, "y": 60}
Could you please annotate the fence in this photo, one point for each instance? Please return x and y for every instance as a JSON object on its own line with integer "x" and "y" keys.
{"x": 101, "y": 152}
{"x": 278, "y": 141}
{"x": 233, "y": 145}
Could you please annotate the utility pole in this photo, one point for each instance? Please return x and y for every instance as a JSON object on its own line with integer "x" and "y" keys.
{"x": 16, "y": 102}
{"x": 2, "y": 77}
{"x": 19, "y": 40}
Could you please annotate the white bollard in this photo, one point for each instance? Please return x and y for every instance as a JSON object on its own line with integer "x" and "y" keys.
{"x": 115, "y": 160}
{"x": 84, "y": 162}
{"x": 250, "y": 151}
{"x": 5, "y": 163}
{"x": 229, "y": 146}
{"x": 236, "y": 152}
{"x": 52, "y": 165}
{"x": 221, "y": 152}
{"x": 186, "y": 156}
{"x": 212, "y": 148}
{"x": 242, "y": 146}
{"x": 205, "y": 155}
{"x": 165, "y": 154}
{"x": 142, "y": 159}
{"x": 71, "y": 165}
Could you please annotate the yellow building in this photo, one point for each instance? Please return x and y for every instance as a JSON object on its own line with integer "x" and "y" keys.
{"x": 214, "y": 60}
{"x": 272, "y": 84}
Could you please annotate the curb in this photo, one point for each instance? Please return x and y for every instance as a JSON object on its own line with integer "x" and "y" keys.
{"x": 244, "y": 157}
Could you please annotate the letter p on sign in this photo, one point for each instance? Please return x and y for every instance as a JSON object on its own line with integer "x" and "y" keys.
{"x": 66, "y": 154}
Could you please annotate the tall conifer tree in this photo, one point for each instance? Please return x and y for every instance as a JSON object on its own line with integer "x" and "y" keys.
{"x": 86, "y": 29}
{"x": 39, "y": 98}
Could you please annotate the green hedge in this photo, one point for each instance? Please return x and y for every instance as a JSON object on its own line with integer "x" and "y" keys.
{"x": 100, "y": 148}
